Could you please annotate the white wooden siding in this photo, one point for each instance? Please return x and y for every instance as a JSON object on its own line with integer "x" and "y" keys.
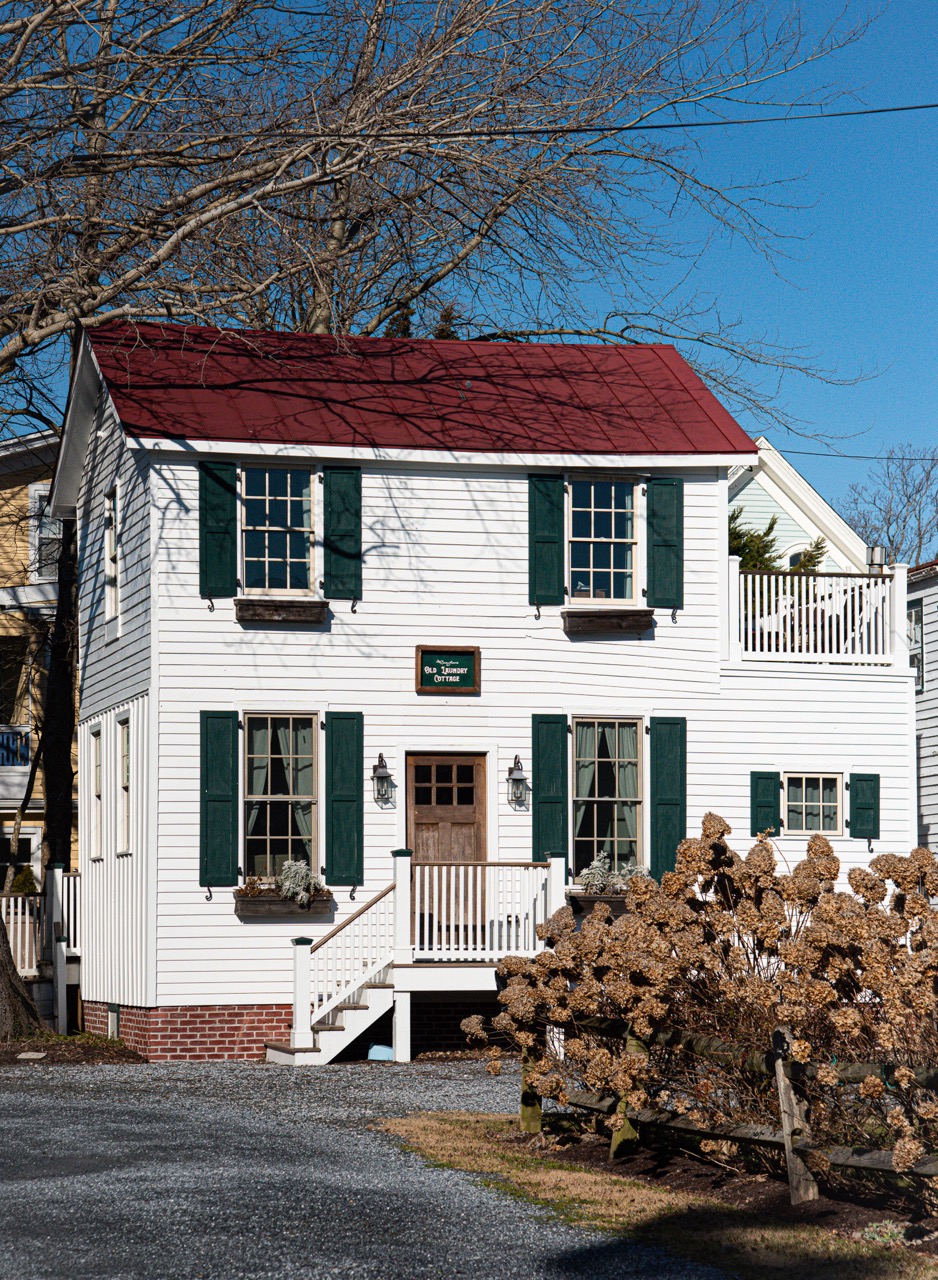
{"x": 446, "y": 563}
{"x": 926, "y": 714}
{"x": 116, "y": 916}
{"x": 114, "y": 660}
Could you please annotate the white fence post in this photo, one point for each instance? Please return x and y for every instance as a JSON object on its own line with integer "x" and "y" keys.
{"x": 557, "y": 883}
{"x": 735, "y": 620}
{"x": 301, "y": 1034}
{"x": 401, "y": 1024}
{"x": 900, "y": 631}
{"x": 55, "y": 907}
{"x": 403, "y": 948}
{"x": 59, "y": 984}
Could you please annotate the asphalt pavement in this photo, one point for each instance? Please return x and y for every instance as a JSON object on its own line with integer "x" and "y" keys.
{"x": 234, "y": 1170}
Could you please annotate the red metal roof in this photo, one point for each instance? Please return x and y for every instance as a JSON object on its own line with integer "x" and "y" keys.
{"x": 188, "y": 382}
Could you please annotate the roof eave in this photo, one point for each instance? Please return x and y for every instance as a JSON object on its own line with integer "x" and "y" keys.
{"x": 76, "y": 434}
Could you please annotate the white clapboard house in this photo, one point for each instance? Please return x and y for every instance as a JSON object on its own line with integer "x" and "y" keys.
{"x": 922, "y": 615}
{"x": 448, "y": 620}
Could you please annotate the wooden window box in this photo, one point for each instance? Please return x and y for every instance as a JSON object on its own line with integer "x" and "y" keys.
{"x": 607, "y": 621}
{"x": 582, "y": 904}
{"x": 271, "y": 908}
{"x": 259, "y": 609}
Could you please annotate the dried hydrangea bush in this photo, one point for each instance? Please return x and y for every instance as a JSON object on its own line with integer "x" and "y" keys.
{"x": 729, "y": 947}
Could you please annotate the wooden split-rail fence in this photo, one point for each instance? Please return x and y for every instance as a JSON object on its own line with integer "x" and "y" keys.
{"x": 794, "y": 1137}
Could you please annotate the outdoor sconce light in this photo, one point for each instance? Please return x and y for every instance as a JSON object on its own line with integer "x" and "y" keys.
{"x": 517, "y": 784}
{"x": 381, "y": 780}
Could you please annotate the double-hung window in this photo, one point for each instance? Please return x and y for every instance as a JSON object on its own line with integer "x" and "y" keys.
{"x": 276, "y": 529}
{"x": 916, "y": 647}
{"x": 45, "y": 536}
{"x": 111, "y": 563}
{"x": 280, "y": 800}
{"x": 603, "y": 547}
{"x": 97, "y": 806}
{"x": 606, "y": 793}
{"x": 124, "y": 731}
{"x": 812, "y": 803}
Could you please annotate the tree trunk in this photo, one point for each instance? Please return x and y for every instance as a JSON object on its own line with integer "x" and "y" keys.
{"x": 58, "y": 730}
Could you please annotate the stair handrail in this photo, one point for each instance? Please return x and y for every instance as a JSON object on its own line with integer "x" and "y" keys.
{"x": 343, "y": 924}
{"x": 311, "y": 1004}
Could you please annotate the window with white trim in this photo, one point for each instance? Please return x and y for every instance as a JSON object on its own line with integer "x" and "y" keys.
{"x": 276, "y": 529}
{"x": 606, "y": 792}
{"x": 813, "y": 803}
{"x": 279, "y": 792}
{"x": 45, "y": 536}
{"x": 123, "y": 728}
{"x": 602, "y": 544}
{"x": 916, "y": 645}
{"x": 111, "y": 564}
{"x": 97, "y": 804}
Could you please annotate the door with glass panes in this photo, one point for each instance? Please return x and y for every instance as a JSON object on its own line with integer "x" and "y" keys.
{"x": 446, "y": 827}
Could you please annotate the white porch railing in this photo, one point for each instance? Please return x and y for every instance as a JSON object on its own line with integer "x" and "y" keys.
{"x": 823, "y": 617}
{"x": 478, "y": 910}
{"x": 455, "y": 912}
{"x": 22, "y": 915}
{"x": 71, "y": 900}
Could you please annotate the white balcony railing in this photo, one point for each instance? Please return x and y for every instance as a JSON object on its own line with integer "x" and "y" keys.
{"x": 22, "y": 914}
{"x": 823, "y": 617}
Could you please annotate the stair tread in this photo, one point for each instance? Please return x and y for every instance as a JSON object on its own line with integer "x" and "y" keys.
{"x": 284, "y": 1046}
{"x": 342, "y": 1007}
{"x": 379, "y": 986}
{"x": 328, "y": 1026}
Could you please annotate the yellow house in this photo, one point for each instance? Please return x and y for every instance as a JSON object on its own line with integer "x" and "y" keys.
{"x": 29, "y": 548}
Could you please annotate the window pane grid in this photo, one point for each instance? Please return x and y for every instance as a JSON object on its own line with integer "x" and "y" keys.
{"x": 916, "y": 651}
{"x": 280, "y": 806}
{"x": 276, "y": 529}
{"x": 602, "y": 540}
{"x": 607, "y": 801}
{"x": 812, "y": 803}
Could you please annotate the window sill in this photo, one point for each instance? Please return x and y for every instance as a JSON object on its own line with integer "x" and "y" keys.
{"x": 284, "y": 609}
{"x": 124, "y": 853}
{"x": 97, "y": 857}
{"x": 606, "y": 619}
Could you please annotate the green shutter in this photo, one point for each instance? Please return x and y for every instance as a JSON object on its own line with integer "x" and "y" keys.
{"x": 864, "y": 806}
{"x": 765, "y": 803}
{"x": 218, "y": 529}
{"x": 342, "y": 532}
{"x": 218, "y": 826}
{"x": 545, "y": 539}
{"x": 549, "y": 774}
{"x": 345, "y": 801}
{"x": 665, "y": 543}
{"x": 668, "y": 751}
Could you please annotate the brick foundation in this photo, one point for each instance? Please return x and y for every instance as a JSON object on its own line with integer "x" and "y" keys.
{"x": 195, "y": 1032}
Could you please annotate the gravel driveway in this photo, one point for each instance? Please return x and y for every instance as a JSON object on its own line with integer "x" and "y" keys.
{"x": 240, "y": 1170}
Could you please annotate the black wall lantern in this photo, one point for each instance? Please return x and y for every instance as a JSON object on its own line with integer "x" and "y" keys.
{"x": 381, "y": 780}
{"x": 517, "y": 784}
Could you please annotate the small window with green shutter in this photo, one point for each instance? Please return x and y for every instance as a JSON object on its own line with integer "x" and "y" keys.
{"x": 765, "y": 809}
{"x": 813, "y": 803}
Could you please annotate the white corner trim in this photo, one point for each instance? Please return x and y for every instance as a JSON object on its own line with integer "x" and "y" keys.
{"x": 76, "y": 434}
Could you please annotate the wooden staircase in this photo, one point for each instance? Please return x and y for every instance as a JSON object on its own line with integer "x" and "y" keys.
{"x": 340, "y": 1028}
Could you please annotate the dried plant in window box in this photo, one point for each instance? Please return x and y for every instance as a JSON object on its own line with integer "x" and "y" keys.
{"x": 296, "y": 891}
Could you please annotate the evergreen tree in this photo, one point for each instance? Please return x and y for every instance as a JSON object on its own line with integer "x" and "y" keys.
{"x": 755, "y": 550}
{"x": 446, "y": 324}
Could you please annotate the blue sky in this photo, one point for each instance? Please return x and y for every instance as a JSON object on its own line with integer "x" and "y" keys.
{"x": 860, "y": 288}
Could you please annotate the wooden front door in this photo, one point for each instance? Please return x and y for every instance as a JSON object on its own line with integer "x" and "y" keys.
{"x": 446, "y": 808}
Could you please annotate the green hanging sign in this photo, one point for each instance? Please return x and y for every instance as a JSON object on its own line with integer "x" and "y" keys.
{"x": 448, "y": 670}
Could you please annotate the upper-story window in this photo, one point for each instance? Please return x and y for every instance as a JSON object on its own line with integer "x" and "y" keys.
{"x": 14, "y": 680}
{"x": 277, "y": 529}
{"x": 602, "y": 540}
{"x": 45, "y": 536}
{"x": 111, "y": 565}
{"x": 916, "y": 643}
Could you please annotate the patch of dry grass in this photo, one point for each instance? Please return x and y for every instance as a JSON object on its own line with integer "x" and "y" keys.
{"x": 739, "y": 1241}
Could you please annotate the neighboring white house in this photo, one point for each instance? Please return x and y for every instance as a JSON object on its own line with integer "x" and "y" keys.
{"x": 772, "y": 487}
{"x": 343, "y": 599}
{"x": 922, "y": 613}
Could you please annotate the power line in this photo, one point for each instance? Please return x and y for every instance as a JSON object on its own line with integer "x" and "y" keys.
{"x": 856, "y": 457}
{"x": 520, "y": 131}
